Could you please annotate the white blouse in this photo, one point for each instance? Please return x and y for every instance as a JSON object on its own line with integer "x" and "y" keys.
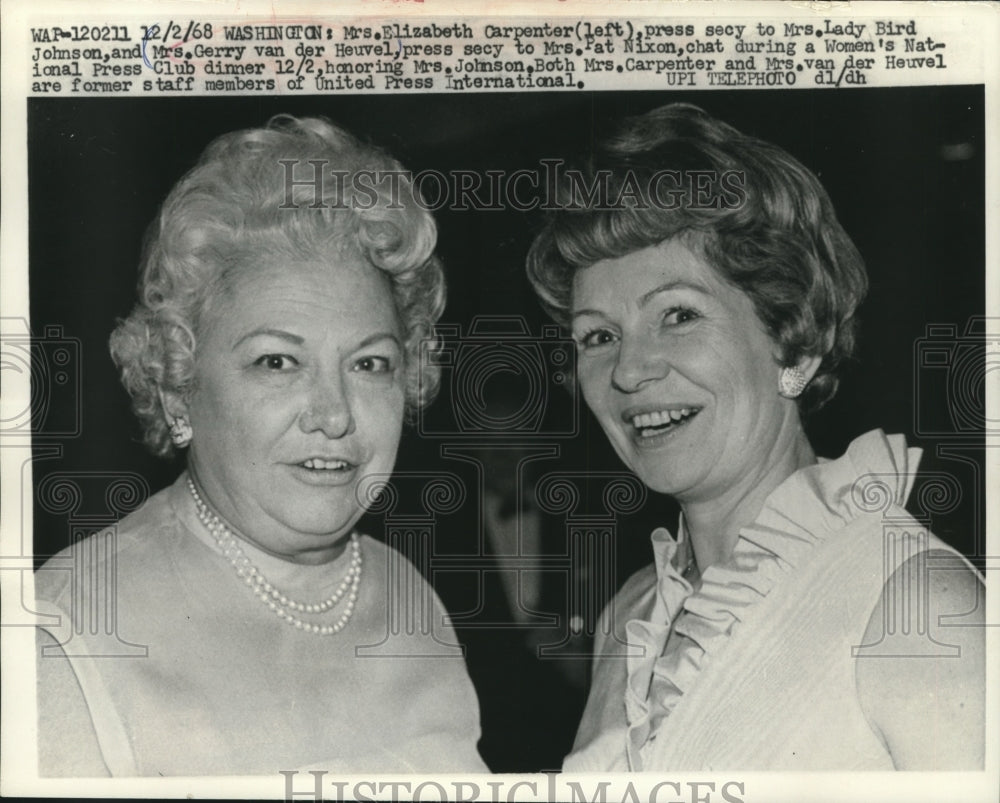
{"x": 197, "y": 677}
{"x": 755, "y": 669}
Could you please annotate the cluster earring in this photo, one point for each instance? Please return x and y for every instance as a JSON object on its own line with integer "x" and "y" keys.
{"x": 181, "y": 432}
{"x": 792, "y": 382}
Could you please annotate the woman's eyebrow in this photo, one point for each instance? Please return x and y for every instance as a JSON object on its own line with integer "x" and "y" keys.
{"x": 377, "y": 336}
{"x": 581, "y": 313}
{"x": 278, "y": 333}
{"x": 298, "y": 340}
{"x": 676, "y": 284}
{"x": 645, "y": 298}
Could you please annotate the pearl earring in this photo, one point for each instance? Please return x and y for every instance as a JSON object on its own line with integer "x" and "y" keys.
{"x": 792, "y": 382}
{"x": 181, "y": 432}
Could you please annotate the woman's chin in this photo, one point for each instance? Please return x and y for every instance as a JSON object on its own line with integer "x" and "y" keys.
{"x": 663, "y": 483}
{"x": 664, "y": 474}
{"x": 323, "y": 525}
{"x": 308, "y": 526}
{"x": 313, "y": 547}
{"x": 317, "y": 501}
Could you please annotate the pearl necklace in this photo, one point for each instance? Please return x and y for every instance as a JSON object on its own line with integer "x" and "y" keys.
{"x": 281, "y": 604}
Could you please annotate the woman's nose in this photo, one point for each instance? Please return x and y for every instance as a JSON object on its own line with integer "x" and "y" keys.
{"x": 328, "y": 410}
{"x": 637, "y": 363}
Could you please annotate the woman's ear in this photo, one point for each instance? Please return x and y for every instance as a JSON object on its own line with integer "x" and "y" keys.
{"x": 173, "y": 405}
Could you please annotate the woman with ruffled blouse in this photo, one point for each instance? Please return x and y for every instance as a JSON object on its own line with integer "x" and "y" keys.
{"x": 712, "y": 309}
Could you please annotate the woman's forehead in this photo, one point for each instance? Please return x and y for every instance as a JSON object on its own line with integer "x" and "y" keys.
{"x": 345, "y": 291}
{"x": 672, "y": 263}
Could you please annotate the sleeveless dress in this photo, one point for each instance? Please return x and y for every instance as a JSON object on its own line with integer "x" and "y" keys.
{"x": 759, "y": 673}
{"x": 160, "y": 661}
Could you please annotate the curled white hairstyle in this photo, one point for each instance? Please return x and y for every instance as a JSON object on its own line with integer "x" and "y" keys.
{"x": 255, "y": 193}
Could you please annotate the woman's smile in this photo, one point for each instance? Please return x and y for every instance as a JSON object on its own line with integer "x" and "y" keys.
{"x": 341, "y": 474}
{"x": 655, "y": 425}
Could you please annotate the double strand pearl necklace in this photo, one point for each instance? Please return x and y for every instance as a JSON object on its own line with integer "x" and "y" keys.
{"x": 282, "y": 605}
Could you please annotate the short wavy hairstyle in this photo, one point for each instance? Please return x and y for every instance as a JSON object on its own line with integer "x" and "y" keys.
{"x": 761, "y": 219}
{"x": 254, "y": 193}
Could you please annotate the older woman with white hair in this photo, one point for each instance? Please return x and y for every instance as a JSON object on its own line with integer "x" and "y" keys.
{"x": 792, "y": 621}
{"x": 275, "y": 343}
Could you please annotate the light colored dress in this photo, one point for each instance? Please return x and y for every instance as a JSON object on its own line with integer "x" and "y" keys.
{"x": 198, "y": 677}
{"x": 759, "y": 673}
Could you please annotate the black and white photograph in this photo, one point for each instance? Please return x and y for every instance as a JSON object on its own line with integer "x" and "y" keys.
{"x": 573, "y": 434}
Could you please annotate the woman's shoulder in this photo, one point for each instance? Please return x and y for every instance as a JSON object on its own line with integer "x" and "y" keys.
{"x": 120, "y": 545}
{"x": 377, "y": 551}
{"x": 389, "y": 562}
{"x": 927, "y": 631}
{"x": 834, "y": 507}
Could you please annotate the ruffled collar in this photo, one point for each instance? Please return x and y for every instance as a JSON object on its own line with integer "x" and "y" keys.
{"x": 877, "y": 470}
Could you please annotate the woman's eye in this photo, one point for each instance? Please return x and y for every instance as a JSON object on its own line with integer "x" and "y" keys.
{"x": 679, "y": 315}
{"x": 373, "y": 365}
{"x": 276, "y": 362}
{"x": 595, "y": 338}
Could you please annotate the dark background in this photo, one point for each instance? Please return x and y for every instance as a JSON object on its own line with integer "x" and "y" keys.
{"x": 905, "y": 169}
